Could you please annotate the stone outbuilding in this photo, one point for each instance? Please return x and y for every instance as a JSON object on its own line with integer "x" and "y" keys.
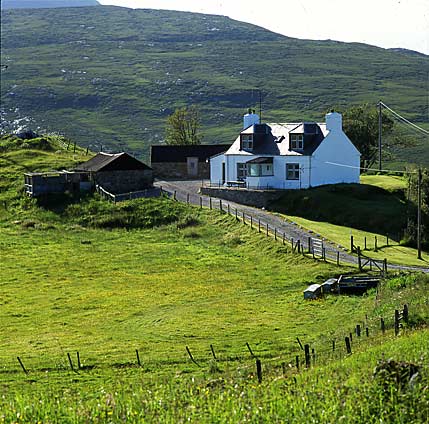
{"x": 118, "y": 172}
{"x": 184, "y": 162}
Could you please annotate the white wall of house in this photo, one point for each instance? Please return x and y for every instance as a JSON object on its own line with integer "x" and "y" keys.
{"x": 216, "y": 168}
{"x": 335, "y": 148}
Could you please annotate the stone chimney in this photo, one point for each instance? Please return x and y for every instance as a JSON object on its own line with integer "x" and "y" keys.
{"x": 334, "y": 121}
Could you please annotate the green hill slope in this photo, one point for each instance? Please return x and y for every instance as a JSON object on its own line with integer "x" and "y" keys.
{"x": 111, "y": 76}
{"x": 37, "y": 4}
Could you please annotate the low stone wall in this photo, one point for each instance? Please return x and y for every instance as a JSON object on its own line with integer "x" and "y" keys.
{"x": 257, "y": 198}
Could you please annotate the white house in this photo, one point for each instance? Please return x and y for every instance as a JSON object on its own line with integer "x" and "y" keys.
{"x": 288, "y": 156}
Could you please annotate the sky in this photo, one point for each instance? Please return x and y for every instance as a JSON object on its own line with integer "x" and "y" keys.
{"x": 383, "y": 23}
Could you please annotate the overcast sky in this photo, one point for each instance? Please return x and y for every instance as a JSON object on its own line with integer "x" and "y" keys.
{"x": 384, "y": 23}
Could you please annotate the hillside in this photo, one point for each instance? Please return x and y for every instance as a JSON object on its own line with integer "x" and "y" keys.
{"x": 111, "y": 76}
{"x": 38, "y": 4}
{"x": 101, "y": 318}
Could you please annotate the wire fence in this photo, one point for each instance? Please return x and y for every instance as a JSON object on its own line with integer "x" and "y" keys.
{"x": 288, "y": 233}
{"x": 297, "y": 355}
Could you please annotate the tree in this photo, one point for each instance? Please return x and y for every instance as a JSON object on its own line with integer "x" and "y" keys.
{"x": 360, "y": 123}
{"x": 183, "y": 127}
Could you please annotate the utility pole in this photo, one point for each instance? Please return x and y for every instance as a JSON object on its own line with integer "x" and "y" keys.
{"x": 379, "y": 135}
{"x": 419, "y": 215}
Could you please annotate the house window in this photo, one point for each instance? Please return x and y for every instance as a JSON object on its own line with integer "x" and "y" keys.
{"x": 247, "y": 141}
{"x": 292, "y": 171}
{"x": 241, "y": 171}
{"x": 297, "y": 141}
{"x": 260, "y": 170}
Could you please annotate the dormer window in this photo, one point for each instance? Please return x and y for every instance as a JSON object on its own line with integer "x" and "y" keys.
{"x": 247, "y": 141}
{"x": 297, "y": 141}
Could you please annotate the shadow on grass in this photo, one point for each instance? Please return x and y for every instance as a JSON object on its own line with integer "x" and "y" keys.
{"x": 360, "y": 206}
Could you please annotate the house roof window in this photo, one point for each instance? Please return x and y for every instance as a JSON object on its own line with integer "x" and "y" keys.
{"x": 247, "y": 141}
{"x": 297, "y": 141}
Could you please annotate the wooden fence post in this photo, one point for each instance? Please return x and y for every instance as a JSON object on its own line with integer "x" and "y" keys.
{"x": 138, "y": 358}
{"x": 79, "y": 366}
{"x": 174, "y": 195}
{"x": 187, "y": 198}
{"x": 275, "y": 233}
{"x": 220, "y": 205}
{"x": 338, "y": 257}
{"x": 213, "y": 352}
{"x": 236, "y": 214}
{"x": 283, "y": 241}
{"x": 307, "y": 355}
{"x": 382, "y": 326}
{"x": 367, "y": 331}
{"x": 251, "y": 222}
{"x": 210, "y": 202}
{"x": 333, "y": 345}
{"x": 405, "y": 314}
{"x": 22, "y": 365}
{"x": 375, "y": 244}
{"x": 297, "y": 362}
{"x": 250, "y": 350}
{"x": 229, "y": 210}
{"x": 365, "y": 243}
{"x": 309, "y": 244}
{"x": 70, "y": 361}
{"x": 259, "y": 370}
{"x": 267, "y": 229}
{"x": 259, "y": 225}
{"x": 201, "y": 202}
{"x": 358, "y": 330}
{"x": 348, "y": 346}
{"x": 244, "y": 218}
{"x": 396, "y": 322}
{"x": 351, "y": 244}
{"x": 359, "y": 259}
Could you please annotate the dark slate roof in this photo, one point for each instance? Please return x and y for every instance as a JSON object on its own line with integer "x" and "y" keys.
{"x": 112, "y": 162}
{"x": 181, "y": 153}
{"x": 261, "y": 160}
{"x": 277, "y": 140}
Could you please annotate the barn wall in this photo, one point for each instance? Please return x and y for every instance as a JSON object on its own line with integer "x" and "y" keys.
{"x": 124, "y": 181}
{"x": 179, "y": 170}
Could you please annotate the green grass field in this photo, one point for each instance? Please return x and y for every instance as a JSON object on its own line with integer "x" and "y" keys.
{"x": 157, "y": 276}
{"x": 375, "y": 209}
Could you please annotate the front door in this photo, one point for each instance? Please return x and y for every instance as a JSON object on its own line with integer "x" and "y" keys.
{"x": 192, "y": 166}
{"x": 223, "y": 172}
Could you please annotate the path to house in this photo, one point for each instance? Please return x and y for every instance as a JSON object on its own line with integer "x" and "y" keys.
{"x": 188, "y": 191}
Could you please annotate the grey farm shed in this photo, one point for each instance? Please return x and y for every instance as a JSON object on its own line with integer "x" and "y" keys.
{"x": 118, "y": 172}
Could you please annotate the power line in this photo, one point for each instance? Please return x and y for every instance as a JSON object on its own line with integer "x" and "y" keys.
{"x": 371, "y": 169}
{"x": 404, "y": 120}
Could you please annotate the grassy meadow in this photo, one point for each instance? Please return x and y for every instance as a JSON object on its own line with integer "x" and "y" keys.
{"x": 157, "y": 276}
{"x": 376, "y": 209}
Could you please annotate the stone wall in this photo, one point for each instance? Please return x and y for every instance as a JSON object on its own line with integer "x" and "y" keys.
{"x": 257, "y": 198}
{"x": 179, "y": 171}
{"x": 124, "y": 181}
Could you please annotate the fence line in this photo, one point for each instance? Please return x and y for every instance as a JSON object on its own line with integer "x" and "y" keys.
{"x": 307, "y": 355}
{"x": 315, "y": 247}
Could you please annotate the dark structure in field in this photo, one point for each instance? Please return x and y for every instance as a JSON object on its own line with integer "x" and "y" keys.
{"x": 115, "y": 173}
{"x": 184, "y": 162}
{"x": 118, "y": 173}
{"x": 42, "y": 183}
